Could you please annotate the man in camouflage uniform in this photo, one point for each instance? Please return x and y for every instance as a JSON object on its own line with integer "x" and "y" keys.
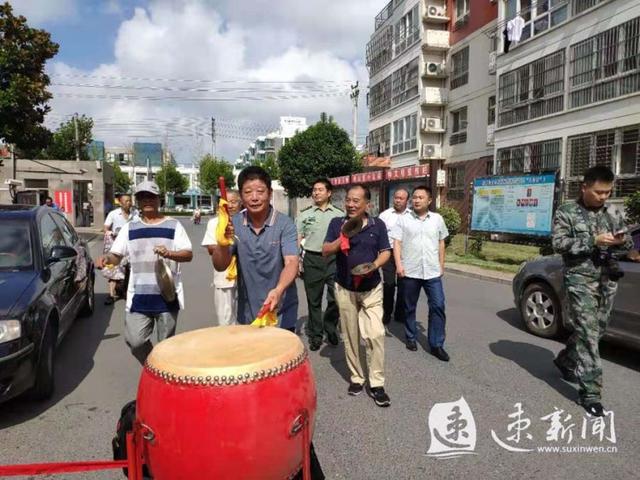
{"x": 319, "y": 271}
{"x": 581, "y": 231}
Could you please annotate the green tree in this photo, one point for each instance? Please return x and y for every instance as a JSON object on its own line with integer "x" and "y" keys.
{"x": 323, "y": 150}
{"x": 170, "y": 180}
{"x": 270, "y": 164}
{"x": 211, "y": 169}
{"x": 632, "y": 207}
{"x": 452, "y": 220}
{"x": 63, "y": 142}
{"x": 121, "y": 179}
{"x": 23, "y": 94}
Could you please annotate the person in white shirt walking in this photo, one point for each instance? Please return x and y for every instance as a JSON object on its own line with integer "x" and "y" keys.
{"x": 390, "y": 280}
{"x": 225, "y": 291}
{"x": 116, "y": 219}
{"x": 419, "y": 249}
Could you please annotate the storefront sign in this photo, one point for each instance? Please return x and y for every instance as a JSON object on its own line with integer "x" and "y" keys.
{"x": 337, "y": 181}
{"x": 403, "y": 173}
{"x": 367, "y": 177}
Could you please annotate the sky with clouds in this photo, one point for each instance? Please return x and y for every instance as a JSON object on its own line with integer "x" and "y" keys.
{"x": 208, "y": 49}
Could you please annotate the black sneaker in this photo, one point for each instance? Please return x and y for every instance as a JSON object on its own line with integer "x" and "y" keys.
{"x": 333, "y": 339}
{"x": 411, "y": 345}
{"x": 380, "y": 397}
{"x": 567, "y": 374}
{"x": 355, "y": 389}
{"x": 595, "y": 409}
{"x": 440, "y": 354}
{"x": 314, "y": 345}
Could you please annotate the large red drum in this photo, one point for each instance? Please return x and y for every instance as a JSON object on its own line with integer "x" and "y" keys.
{"x": 227, "y": 403}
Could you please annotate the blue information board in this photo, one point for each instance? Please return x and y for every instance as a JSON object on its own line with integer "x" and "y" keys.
{"x": 521, "y": 204}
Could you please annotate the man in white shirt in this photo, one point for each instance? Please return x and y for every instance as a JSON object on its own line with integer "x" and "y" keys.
{"x": 225, "y": 292}
{"x": 419, "y": 250}
{"x": 116, "y": 219}
{"x": 390, "y": 217}
{"x": 154, "y": 235}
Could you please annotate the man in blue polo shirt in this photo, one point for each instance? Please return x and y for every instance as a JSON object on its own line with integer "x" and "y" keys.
{"x": 266, "y": 245}
{"x": 359, "y": 297}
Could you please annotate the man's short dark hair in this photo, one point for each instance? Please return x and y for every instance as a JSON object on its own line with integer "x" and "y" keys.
{"x": 326, "y": 182}
{"x": 423, "y": 187}
{"x": 123, "y": 194}
{"x": 401, "y": 189}
{"x": 367, "y": 191}
{"x": 254, "y": 172}
{"x": 599, "y": 173}
{"x": 48, "y": 198}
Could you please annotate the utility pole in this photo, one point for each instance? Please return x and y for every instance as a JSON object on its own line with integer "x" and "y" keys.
{"x": 75, "y": 127}
{"x": 355, "y": 93}
{"x": 213, "y": 137}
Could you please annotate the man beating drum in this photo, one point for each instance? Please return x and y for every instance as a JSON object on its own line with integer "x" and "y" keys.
{"x": 266, "y": 246}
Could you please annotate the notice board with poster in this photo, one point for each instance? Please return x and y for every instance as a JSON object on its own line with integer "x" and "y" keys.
{"x": 518, "y": 205}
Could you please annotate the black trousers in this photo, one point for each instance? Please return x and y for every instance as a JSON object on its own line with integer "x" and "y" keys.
{"x": 392, "y": 293}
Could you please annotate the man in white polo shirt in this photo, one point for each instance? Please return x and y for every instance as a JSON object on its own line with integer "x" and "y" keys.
{"x": 419, "y": 249}
{"x": 390, "y": 217}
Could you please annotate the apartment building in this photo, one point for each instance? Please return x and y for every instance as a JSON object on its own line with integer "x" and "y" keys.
{"x": 471, "y": 83}
{"x": 406, "y": 59}
{"x": 269, "y": 145}
{"x": 569, "y": 90}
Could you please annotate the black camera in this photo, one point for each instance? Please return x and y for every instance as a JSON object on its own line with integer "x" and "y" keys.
{"x": 603, "y": 258}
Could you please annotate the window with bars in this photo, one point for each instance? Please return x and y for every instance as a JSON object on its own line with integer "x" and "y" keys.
{"x": 379, "y": 141}
{"x": 491, "y": 110}
{"x": 460, "y": 68}
{"x": 532, "y": 157}
{"x": 455, "y": 183}
{"x": 532, "y": 91}
{"x": 407, "y": 31}
{"x": 606, "y": 65}
{"x": 462, "y": 9}
{"x": 617, "y": 149}
{"x": 380, "y": 97}
{"x": 538, "y": 15}
{"x": 406, "y": 83}
{"x": 580, "y": 6}
{"x": 458, "y": 126}
{"x": 405, "y": 134}
{"x": 380, "y": 50}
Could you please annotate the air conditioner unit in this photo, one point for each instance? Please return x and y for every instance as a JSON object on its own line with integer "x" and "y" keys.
{"x": 431, "y": 124}
{"x": 435, "y": 12}
{"x": 434, "y": 69}
{"x": 431, "y": 150}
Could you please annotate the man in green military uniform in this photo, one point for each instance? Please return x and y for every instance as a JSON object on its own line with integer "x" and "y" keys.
{"x": 318, "y": 271}
{"x": 589, "y": 238}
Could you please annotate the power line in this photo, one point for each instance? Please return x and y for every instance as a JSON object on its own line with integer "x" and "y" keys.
{"x": 198, "y": 99}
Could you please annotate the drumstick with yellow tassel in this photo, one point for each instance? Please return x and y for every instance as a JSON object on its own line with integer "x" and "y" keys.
{"x": 223, "y": 222}
{"x": 266, "y": 317}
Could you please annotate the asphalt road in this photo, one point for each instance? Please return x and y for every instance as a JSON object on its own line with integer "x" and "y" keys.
{"x": 495, "y": 364}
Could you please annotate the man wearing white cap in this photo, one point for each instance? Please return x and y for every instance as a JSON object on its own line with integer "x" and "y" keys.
{"x": 142, "y": 242}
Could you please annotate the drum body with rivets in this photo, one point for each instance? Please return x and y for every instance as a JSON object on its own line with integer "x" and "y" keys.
{"x": 226, "y": 403}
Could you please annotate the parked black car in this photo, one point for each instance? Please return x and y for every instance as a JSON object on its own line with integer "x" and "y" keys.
{"x": 539, "y": 296}
{"x": 46, "y": 281}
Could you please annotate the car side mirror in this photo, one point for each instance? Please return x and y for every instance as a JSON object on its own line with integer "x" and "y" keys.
{"x": 61, "y": 252}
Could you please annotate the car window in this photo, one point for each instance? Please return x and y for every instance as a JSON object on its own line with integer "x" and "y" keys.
{"x": 67, "y": 230}
{"x": 15, "y": 246}
{"x": 50, "y": 235}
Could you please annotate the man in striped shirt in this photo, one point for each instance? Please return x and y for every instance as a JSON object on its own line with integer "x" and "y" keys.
{"x": 142, "y": 242}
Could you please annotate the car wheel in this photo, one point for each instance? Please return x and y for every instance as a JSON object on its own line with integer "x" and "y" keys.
{"x": 90, "y": 297}
{"x": 541, "y": 310}
{"x": 43, "y": 387}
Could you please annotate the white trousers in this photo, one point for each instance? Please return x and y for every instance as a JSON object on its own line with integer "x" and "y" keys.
{"x": 225, "y": 302}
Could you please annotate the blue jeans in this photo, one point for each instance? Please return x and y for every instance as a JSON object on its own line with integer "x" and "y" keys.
{"x": 435, "y": 297}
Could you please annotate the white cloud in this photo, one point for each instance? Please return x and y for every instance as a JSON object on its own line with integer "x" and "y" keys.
{"x": 41, "y": 11}
{"x": 194, "y": 39}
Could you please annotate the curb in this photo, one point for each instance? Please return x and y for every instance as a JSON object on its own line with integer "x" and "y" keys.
{"x": 478, "y": 276}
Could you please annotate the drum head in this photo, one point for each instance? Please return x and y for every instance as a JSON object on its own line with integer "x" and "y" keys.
{"x": 230, "y": 351}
